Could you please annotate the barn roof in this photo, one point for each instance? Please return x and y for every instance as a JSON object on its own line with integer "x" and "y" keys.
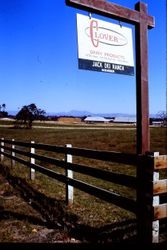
{"x": 96, "y": 119}
{"x": 125, "y": 119}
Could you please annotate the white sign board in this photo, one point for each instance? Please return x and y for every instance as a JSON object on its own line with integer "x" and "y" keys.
{"x": 104, "y": 47}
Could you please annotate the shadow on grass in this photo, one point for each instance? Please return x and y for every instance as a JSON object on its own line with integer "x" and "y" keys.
{"x": 55, "y": 215}
{"x": 18, "y": 216}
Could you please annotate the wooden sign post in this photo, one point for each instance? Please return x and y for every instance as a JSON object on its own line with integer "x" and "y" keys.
{"x": 142, "y": 22}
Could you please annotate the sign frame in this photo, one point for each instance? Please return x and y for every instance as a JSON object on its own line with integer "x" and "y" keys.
{"x": 142, "y": 21}
{"x": 104, "y": 46}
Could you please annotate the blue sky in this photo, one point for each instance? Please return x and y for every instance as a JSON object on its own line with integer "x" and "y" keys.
{"x": 39, "y": 64}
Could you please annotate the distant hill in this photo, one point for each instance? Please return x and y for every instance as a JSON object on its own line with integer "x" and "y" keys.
{"x": 12, "y": 112}
{"x": 78, "y": 113}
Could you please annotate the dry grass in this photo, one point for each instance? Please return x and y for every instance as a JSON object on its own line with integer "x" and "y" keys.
{"x": 89, "y": 219}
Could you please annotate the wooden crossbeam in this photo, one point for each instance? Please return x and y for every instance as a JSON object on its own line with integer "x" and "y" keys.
{"x": 112, "y": 10}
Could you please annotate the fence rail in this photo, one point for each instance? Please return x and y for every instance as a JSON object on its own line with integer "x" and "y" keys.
{"x": 146, "y": 183}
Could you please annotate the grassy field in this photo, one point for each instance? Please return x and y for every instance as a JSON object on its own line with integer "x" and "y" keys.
{"x": 88, "y": 212}
{"x": 114, "y": 138}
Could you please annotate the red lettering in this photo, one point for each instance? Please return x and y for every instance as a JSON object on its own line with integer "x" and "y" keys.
{"x": 93, "y": 34}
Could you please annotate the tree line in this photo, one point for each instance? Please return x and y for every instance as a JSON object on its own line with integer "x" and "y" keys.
{"x": 26, "y": 115}
{"x": 3, "y": 112}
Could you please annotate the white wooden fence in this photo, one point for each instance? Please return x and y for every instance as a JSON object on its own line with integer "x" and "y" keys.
{"x": 147, "y": 206}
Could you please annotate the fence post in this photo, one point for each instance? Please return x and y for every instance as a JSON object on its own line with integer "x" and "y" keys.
{"x": 32, "y": 161}
{"x": 13, "y": 154}
{"x": 144, "y": 199}
{"x": 2, "y": 149}
{"x": 155, "y": 224}
{"x": 69, "y": 174}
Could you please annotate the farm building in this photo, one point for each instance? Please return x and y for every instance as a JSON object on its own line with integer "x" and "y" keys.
{"x": 157, "y": 123}
{"x": 125, "y": 119}
{"x": 96, "y": 119}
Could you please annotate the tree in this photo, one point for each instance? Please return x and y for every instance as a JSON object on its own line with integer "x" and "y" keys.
{"x": 162, "y": 115}
{"x": 28, "y": 114}
{"x": 4, "y": 107}
{"x": 3, "y": 113}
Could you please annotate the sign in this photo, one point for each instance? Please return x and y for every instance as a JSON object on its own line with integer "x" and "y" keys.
{"x": 104, "y": 46}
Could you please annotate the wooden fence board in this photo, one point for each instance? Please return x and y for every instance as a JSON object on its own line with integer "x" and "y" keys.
{"x": 38, "y": 168}
{"x": 160, "y": 211}
{"x": 160, "y": 162}
{"x": 160, "y": 187}
{"x": 154, "y": 189}
{"x": 125, "y": 158}
{"x": 103, "y": 194}
{"x": 122, "y": 179}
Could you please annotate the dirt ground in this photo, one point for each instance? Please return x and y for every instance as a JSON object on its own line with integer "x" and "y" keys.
{"x": 28, "y": 217}
{"x": 20, "y": 222}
